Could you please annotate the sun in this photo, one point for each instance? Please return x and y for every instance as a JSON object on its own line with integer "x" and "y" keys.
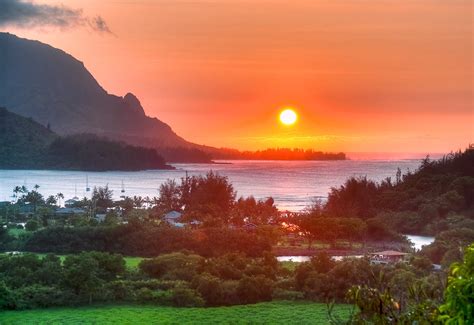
{"x": 288, "y": 116}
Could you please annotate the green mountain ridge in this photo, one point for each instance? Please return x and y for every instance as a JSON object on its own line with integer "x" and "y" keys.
{"x": 26, "y": 144}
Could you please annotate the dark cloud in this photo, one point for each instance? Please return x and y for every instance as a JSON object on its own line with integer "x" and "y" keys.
{"x": 98, "y": 23}
{"x": 24, "y": 13}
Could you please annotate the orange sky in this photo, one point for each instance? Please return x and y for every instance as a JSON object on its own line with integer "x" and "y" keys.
{"x": 367, "y": 75}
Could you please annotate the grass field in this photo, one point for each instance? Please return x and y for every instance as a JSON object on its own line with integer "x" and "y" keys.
{"x": 282, "y": 312}
{"x": 130, "y": 262}
{"x": 16, "y": 232}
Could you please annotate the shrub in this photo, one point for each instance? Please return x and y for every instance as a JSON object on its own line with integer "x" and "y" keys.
{"x": 7, "y": 297}
{"x": 175, "y": 266}
{"x": 459, "y": 296}
{"x": 32, "y": 225}
{"x": 255, "y": 289}
{"x": 38, "y": 296}
{"x": 282, "y": 294}
{"x": 186, "y": 297}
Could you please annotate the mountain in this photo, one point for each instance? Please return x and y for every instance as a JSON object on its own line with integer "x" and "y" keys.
{"x": 53, "y": 88}
{"x": 26, "y": 144}
{"x": 22, "y": 140}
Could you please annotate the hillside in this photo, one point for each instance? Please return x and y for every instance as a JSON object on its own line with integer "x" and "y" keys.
{"x": 22, "y": 140}
{"x": 26, "y": 144}
{"x": 437, "y": 197}
{"x": 52, "y": 87}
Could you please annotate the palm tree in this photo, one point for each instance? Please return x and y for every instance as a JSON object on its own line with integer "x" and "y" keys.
{"x": 59, "y": 197}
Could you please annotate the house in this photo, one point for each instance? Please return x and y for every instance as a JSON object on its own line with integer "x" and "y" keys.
{"x": 173, "y": 218}
{"x": 71, "y": 202}
{"x": 69, "y": 211}
{"x": 100, "y": 217}
{"x": 386, "y": 257}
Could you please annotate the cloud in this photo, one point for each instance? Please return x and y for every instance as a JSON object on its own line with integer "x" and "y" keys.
{"x": 25, "y": 13}
{"x": 98, "y": 23}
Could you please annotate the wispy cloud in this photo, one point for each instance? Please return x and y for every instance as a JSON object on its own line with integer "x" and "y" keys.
{"x": 24, "y": 13}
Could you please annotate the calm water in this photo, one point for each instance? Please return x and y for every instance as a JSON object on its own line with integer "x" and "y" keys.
{"x": 293, "y": 184}
{"x": 418, "y": 242}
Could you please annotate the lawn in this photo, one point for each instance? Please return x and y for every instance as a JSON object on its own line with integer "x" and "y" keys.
{"x": 130, "y": 262}
{"x": 281, "y": 312}
{"x": 16, "y": 232}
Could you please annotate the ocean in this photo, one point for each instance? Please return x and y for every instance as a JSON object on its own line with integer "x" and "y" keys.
{"x": 293, "y": 184}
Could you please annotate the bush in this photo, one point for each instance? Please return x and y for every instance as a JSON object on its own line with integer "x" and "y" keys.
{"x": 282, "y": 294}
{"x": 459, "y": 296}
{"x": 209, "y": 287}
{"x": 186, "y": 297}
{"x": 175, "y": 266}
{"x": 255, "y": 289}
{"x": 38, "y": 296}
{"x": 32, "y": 225}
{"x": 7, "y": 297}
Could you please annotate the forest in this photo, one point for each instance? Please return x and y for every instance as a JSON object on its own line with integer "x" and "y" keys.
{"x": 26, "y": 144}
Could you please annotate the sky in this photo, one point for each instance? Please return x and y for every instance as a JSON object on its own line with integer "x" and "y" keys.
{"x": 363, "y": 75}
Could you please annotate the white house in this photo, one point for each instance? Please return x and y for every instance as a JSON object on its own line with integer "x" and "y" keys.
{"x": 173, "y": 218}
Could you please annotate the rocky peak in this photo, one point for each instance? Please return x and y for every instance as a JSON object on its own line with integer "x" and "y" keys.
{"x": 132, "y": 101}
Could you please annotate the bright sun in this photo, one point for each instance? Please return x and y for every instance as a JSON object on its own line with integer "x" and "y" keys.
{"x": 288, "y": 116}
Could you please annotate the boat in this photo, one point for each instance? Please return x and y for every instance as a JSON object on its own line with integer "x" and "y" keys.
{"x": 88, "y": 189}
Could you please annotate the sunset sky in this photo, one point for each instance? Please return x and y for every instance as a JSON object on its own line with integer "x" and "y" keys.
{"x": 366, "y": 76}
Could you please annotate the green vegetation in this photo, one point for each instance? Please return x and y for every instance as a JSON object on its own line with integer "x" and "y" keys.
{"x": 16, "y": 232}
{"x": 189, "y": 280}
{"x": 280, "y": 312}
{"x": 439, "y": 196}
{"x": 459, "y": 304}
{"x": 218, "y": 251}
{"x": 25, "y": 144}
{"x": 277, "y": 154}
{"x": 130, "y": 262}
{"x": 22, "y": 141}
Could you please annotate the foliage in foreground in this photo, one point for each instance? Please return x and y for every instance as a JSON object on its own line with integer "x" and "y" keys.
{"x": 185, "y": 279}
{"x": 381, "y": 305}
{"x": 459, "y": 295}
{"x": 281, "y": 312}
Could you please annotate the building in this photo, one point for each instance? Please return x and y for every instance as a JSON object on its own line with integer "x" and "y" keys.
{"x": 386, "y": 257}
{"x": 71, "y": 202}
{"x": 69, "y": 211}
{"x": 100, "y": 217}
{"x": 173, "y": 218}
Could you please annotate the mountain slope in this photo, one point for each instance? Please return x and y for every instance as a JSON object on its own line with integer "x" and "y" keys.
{"x": 26, "y": 144}
{"x": 22, "y": 140}
{"x": 52, "y": 87}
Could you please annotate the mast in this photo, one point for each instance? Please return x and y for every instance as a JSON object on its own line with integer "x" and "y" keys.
{"x": 87, "y": 184}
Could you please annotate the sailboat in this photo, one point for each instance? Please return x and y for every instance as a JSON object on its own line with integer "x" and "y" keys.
{"x": 122, "y": 191}
{"x": 88, "y": 189}
{"x": 75, "y": 193}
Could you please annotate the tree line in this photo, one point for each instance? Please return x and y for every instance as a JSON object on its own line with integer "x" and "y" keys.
{"x": 397, "y": 293}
